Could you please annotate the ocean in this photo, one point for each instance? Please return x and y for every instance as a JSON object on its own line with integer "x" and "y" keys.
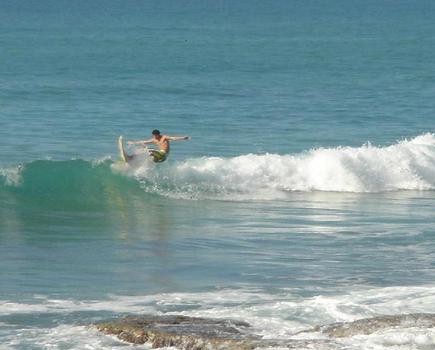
{"x": 305, "y": 197}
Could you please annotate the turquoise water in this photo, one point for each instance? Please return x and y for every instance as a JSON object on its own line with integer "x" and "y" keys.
{"x": 305, "y": 196}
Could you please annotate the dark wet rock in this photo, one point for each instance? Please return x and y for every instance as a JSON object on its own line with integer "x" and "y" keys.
{"x": 191, "y": 333}
{"x": 368, "y": 326}
{"x": 182, "y": 332}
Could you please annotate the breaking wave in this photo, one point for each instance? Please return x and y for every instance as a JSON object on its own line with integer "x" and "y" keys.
{"x": 406, "y": 165}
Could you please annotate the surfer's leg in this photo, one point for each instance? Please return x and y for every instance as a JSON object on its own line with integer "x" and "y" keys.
{"x": 158, "y": 156}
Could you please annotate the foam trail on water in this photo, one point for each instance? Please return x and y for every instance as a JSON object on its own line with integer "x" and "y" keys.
{"x": 406, "y": 165}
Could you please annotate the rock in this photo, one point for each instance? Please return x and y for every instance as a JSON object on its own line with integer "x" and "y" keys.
{"x": 189, "y": 333}
{"x": 368, "y": 326}
{"x": 192, "y": 333}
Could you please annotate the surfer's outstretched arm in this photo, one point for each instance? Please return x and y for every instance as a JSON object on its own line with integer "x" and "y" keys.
{"x": 178, "y": 138}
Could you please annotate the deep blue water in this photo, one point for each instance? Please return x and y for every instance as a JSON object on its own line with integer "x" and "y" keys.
{"x": 305, "y": 196}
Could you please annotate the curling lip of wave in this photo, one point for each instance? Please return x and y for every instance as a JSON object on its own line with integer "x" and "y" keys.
{"x": 406, "y": 165}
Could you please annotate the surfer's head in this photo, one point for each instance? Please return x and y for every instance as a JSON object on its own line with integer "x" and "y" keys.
{"x": 156, "y": 133}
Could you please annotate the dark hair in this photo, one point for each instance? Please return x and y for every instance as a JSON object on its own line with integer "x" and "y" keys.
{"x": 156, "y": 132}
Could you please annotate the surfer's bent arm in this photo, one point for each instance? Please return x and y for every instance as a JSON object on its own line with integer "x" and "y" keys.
{"x": 177, "y": 138}
{"x": 143, "y": 142}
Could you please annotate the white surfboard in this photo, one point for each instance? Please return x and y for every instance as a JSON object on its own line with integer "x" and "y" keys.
{"x": 122, "y": 153}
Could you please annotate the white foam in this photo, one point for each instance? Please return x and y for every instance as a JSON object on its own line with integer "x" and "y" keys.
{"x": 12, "y": 175}
{"x": 244, "y": 303}
{"x": 62, "y": 337}
{"x": 406, "y": 165}
{"x": 101, "y": 160}
{"x": 394, "y": 339}
{"x": 45, "y": 305}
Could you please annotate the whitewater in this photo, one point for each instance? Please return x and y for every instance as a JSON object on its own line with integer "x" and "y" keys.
{"x": 406, "y": 165}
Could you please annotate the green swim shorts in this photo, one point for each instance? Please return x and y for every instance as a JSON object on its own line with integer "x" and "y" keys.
{"x": 159, "y": 156}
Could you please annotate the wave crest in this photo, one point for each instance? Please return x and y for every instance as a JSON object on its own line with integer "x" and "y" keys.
{"x": 406, "y": 165}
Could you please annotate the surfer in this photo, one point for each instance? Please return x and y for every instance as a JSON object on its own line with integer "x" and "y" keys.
{"x": 162, "y": 143}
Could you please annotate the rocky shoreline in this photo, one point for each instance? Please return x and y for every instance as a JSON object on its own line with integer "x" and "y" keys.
{"x": 193, "y": 333}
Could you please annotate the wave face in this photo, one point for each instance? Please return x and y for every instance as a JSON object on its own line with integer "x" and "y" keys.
{"x": 72, "y": 185}
{"x": 406, "y": 165}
